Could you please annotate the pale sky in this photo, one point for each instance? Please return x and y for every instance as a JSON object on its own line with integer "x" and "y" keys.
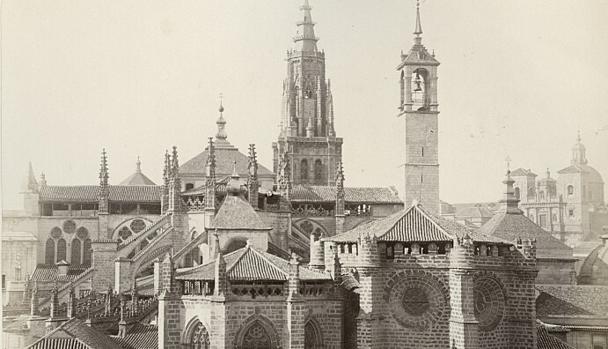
{"x": 517, "y": 78}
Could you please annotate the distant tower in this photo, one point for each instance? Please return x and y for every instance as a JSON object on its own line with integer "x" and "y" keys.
{"x": 307, "y": 132}
{"x": 418, "y": 82}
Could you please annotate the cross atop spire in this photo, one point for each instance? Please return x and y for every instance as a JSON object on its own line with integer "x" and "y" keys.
{"x": 305, "y": 40}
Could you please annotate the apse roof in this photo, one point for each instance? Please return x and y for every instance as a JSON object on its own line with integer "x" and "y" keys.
{"x": 414, "y": 224}
{"x": 250, "y": 264}
{"x": 90, "y": 193}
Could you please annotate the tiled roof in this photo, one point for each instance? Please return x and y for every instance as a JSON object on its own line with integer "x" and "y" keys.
{"x": 547, "y": 341}
{"x": 513, "y": 226}
{"x": 74, "y": 333}
{"x": 137, "y": 178}
{"x": 225, "y": 157}
{"x": 236, "y": 213}
{"x": 250, "y": 264}
{"x": 139, "y": 337}
{"x": 51, "y": 273}
{"x": 414, "y": 224}
{"x": 89, "y": 193}
{"x": 572, "y": 301}
{"x": 522, "y": 172}
{"x": 323, "y": 193}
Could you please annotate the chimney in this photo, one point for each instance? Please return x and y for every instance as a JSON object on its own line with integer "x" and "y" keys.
{"x": 63, "y": 267}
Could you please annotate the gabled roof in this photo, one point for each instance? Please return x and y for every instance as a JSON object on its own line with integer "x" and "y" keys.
{"x": 324, "y": 193}
{"x": 49, "y": 273}
{"x": 225, "y": 156}
{"x": 89, "y": 193}
{"x": 75, "y": 333}
{"x": 236, "y": 213}
{"x": 511, "y": 227}
{"x": 250, "y": 264}
{"x": 413, "y": 224}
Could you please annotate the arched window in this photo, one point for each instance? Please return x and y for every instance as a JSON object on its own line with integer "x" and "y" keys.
{"x": 49, "y": 254}
{"x": 318, "y": 171}
{"x": 570, "y": 190}
{"x": 199, "y": 337}
{"x": 86, "y": 253}
{"x": 61, "y": 250}
{"x": 312, "y": 336}
{"x": 419, "y": 87}
{"x": 76, "y": 249}
{"x": 304, "y": 169}
{"x": 256, "y": 337}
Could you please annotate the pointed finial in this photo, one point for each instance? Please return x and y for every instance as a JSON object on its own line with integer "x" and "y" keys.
{"x": 578, "y": 136}
{"x": 234, "y": 173}
{"x": 508, "y": 162}
{"x": 221, "y": 122}
{"x": 548, "y": 173}
{"x": 418, "y": 29}
{"x": 32, "y": 184}
{"x": 42, "y": 179}
{"x": 138, "y": 165}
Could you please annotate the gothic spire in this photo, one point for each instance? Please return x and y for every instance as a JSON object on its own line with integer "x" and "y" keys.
{"x": 32, "y": 184}
{"x": 210, "y": 166}
{"x": 305, "y": 40}
{"x": 174, "y": 162}
{"x": 418, "y": 29}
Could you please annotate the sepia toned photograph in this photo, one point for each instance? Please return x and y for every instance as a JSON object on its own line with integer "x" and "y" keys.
{"x": 304, "y": 174}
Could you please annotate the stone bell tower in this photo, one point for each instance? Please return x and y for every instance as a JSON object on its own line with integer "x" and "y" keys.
{"x": 307, "y": 134}
{"x": 418, "y": 83}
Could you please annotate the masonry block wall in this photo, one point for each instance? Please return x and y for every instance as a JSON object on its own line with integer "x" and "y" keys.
{"x": 446, "y": 300}
{"x": 104, "y": 254}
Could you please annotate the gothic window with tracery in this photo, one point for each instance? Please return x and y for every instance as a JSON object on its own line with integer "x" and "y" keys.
{"x": 86, "y": 260}
{"x": 304, "y": 169}
{"x": 199, "y": 339}
{"x": 49, "y": 254}
{"x": 256, "y": 337}
{"x": 61, "y": 250}
{"x": 76, "y": 249}
{"x": 312, "y": 336}
{"x": 318, "y": 171}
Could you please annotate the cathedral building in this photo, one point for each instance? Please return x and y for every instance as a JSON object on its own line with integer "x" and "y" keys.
{"x": 227, "y": 254}
{"x": 572, "y": 206}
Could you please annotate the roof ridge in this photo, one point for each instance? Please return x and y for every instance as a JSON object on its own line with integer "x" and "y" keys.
{"x": 431, "y": 218}
{"x": 401, "y": 216}
{"x": 244, "y": 249}
{"x": 261, "y": 254}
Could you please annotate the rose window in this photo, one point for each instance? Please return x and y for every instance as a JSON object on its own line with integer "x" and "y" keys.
{"x": 417, "y": 299}
{"x": 489, "y": 302}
